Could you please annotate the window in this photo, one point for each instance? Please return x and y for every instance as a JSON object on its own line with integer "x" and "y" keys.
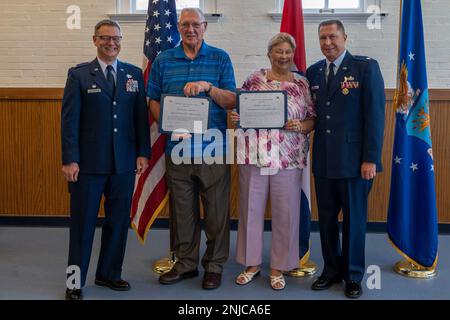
{"x": 140, "y": 6}
{"x": 328, "y": 5}
{"x": 331, "y": 6}
{"x": 136, "y": 10}
{"x": 315, "y": 11}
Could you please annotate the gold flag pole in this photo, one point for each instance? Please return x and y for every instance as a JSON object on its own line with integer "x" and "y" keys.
{"x": 164, "y": 265}
{"x": 306, "y": 267}
{"x": 412, "y": 270}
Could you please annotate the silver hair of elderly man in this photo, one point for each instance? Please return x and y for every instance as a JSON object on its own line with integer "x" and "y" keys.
{"x": 197, "y": 10}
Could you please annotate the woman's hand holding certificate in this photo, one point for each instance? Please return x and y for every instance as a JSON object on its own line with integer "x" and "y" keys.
{"x": 262, "y": 109}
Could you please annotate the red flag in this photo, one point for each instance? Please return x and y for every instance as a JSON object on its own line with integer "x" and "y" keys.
{"x": 292, "y": 23}
{"x": 150, "y": 191}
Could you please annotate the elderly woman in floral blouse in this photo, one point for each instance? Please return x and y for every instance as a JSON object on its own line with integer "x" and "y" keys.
{"x": 283, "y": 184}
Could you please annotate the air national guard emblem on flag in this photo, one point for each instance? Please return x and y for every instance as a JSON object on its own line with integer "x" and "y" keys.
{"x": 418, "y": 120}
{"x": 412, "y": 214}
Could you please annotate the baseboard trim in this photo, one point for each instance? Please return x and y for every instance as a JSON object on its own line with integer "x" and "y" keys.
{"x": 163, "y": 223}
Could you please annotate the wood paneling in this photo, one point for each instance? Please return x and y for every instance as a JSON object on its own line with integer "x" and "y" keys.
{"x": 31, "y": 182}
{"x": 440, "y": 134}
{"x": 31, "y": 93}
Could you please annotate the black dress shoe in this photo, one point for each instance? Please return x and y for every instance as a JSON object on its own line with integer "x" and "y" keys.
{"x": 74, "y": 294}
{"x": 211, "y": 280}
{"x": 120, "y": 285}
{"x": 353, "y": 289}
{"x": 173, "y": 276}
{"x": 323, "y": 283}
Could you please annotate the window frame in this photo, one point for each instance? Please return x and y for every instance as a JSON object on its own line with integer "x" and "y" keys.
{"x": 133, "y": 6}
{"x": 364, "y": 4}
{"x": 326, "y": 8}
{"x": 315, "y": 16}
{"x": 124, "y": 12}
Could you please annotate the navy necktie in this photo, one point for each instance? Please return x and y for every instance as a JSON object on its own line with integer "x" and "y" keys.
{"x": 110, "y": 79}
{"x": 330, "y": 75}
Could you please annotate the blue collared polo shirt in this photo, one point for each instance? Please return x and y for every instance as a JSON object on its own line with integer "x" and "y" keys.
{"x": 172, "y": 69}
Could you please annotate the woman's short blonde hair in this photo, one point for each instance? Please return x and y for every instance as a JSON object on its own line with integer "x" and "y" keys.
{"x": 281, "y": 38}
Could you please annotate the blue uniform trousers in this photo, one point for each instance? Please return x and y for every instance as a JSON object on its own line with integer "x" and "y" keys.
{"x": 85, "y": 200}
{"x": 350, "y": 195}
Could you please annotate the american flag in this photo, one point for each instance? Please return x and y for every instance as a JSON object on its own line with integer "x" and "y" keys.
{"x": 150, "y": 192}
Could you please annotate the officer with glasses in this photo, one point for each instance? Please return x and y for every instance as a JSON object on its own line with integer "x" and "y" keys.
{"x": 105, "y": 141}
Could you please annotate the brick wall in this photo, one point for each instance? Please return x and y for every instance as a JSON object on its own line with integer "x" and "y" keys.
{"x": 36, "y": 48}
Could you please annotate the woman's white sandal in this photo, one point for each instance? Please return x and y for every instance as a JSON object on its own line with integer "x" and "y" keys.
{"x": 275, "y": 280}
{"x": 246, "y": 276}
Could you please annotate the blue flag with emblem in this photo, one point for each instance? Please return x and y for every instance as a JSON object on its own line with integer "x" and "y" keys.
{"x": 412, "y": 214}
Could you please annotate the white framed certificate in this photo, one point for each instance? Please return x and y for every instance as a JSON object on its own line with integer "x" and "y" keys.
{"x": 180, "y": 114}
{"x": 262, "y": 109}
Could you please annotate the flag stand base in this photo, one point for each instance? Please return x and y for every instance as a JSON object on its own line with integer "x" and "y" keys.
{"x": 164, "y": 265}
{"x": 305, "y": 269}
{"x": 411, "y": 270}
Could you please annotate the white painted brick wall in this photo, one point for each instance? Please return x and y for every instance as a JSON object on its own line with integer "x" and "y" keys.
{"x": 36, "y": 48}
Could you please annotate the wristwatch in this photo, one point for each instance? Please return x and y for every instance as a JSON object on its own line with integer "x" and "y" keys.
{"x": 209, "y": 88}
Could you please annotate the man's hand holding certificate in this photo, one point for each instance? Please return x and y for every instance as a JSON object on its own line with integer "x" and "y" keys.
{"x": 184, "y": 114}
{"x": 262, "y": 109}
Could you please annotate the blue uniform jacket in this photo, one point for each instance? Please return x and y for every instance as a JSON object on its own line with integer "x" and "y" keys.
{"x": 350, "y": 117}
{"x": 102, "y": 133}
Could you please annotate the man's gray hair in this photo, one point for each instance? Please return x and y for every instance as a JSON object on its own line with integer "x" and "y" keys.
{"x": 197, "y": 10}
{"x": 281, "y": 38}
{"x": 106, "y": 22}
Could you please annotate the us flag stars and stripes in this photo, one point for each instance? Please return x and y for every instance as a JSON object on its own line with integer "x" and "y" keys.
{"x": 151, "y": 194}
{"x": 160, "y": 31}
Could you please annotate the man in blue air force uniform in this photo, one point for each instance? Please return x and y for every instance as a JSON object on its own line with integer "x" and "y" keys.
{"x": 349, "y": 97}
{"x": 105, "y": 140}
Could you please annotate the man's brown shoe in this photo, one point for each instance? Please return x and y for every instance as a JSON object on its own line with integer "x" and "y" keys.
{"x": 173, "y": 276}
{"x": 211, "y": 280}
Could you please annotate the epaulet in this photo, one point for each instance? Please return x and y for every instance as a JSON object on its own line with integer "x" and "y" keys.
{"x": 362, "y": 58}
{"x": 317, "y": 64}
{"x": 129, "y": 65}
{"x": 81, "y": 65}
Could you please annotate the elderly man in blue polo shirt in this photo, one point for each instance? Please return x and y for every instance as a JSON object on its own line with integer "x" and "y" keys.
{"x": 196, "y": 69}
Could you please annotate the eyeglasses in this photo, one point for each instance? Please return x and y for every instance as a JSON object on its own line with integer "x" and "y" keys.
{"x": 195, "y": 25}
{"x": 116, "y": 39}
